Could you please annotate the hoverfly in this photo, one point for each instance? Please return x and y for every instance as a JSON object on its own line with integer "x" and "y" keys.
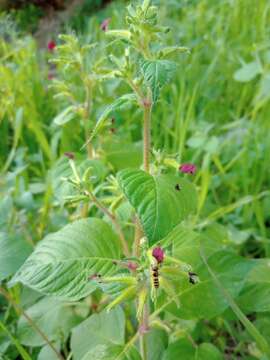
{"x": 165, "y": 272}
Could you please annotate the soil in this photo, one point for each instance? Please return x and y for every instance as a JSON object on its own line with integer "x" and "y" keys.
{"x": 49, "y": 26}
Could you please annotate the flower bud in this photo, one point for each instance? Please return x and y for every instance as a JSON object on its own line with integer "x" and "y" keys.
{"x": 188, "y": 168}
{"x": 105, "y": 24}
{"x": 158, "y": 254}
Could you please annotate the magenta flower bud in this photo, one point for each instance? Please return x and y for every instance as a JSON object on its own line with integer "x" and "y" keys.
{"x": 51, "y": 45}
{"x": 158, "y": 254}
{"x": 132, "y": 266}
{"x": 69, "y": 155}
{"x": 50, "y": 76}
{"x": 105, "y": 24}
{"x": 188, "y": 168}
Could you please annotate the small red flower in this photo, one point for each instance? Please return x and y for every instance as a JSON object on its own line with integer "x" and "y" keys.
{"x": 158, "y": 254}
{"x": 50, "y": 76}
{"x": 188, "y": 168}
{"x": 105, "y": 24}
{"x": 51, "y": 45}
{"x": 132, "y": 266}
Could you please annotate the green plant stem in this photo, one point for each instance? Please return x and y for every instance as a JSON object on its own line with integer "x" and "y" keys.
{"x": 31, "y": 322}
{"x": 251, "y": 329}
{"x": 21, "y": 350}
{"x": 143, "y": 347}
{"x": 147, "y": 105}
{"x": 111, "y": 216}
{"x": 147, "y": 135}
{"x": 137, "y": 237}
{"x": 87, "y": 113}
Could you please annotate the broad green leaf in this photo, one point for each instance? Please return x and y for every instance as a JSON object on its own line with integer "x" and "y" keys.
{"x": 63, "y": 262}
{"x": 122, "y": 155}
{"x": 156, "y": 74}
{"x": 6, "y": 205}
{"x": 207, "y": 351}
{"x": 247, "y": 72}
{"x": 13, "y": 252}
{"x": 256, "y": 293}
{"x": 186, "y": 244}
{"x": 54, "y": 318}
{"x": 262, "y": 323}
{"x": 184, "y": 349}
{"x": 65, "y": 116}
{"x": 112, "y": 352}
{"x": 157, "y": 341}
{"x": 159, "y": 205}
{"x": 46, "y": 353}
{"x": 97, "y": 333}
{"x": 204, "y": 299}
{"x": 119, "y": 104}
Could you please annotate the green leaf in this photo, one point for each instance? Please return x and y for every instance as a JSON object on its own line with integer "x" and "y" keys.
{"x": 205, "y": 300}
{"x": 184, "y": 349}
{"x": 120, "y": 34}
{"x": 46, "y": 353}
{"x": 61, "y": 169}
{"x": 98, "y": 333}
{"x": 13, "y": 252}
{"x": 62, "y": 263}
{"x": 111, "y": 352}
{"x": 54, "y": 318}
{"x": 186, "y": 244}
{"x": 159, "y": 205}
{"x": 247, "y": 72}
{"x": 23, "y": 353}
{"x": 157, "y": 341}
{"x": 6, "y": 206}
{"x": 65, "y": 116}
{"x": 168, "y": 50}
{"x": 156, "y": 74}
{"x": 256, "y": 293}
{"x": 123, "y": 154}
{"x": 207, "y": 351}
{"x": 119, "y": 104}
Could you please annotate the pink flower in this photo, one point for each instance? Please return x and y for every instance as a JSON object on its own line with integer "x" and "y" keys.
{"x": 188, "y": 168}
{"x": 51, "y": 45}
{"x": 50, "y": 76}
{"x": 105, "y": 24}
{"x": 132, "y": 266}
{"x": 158, "y": 254}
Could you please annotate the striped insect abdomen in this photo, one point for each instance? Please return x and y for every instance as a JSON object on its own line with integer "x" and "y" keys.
{"x": 155, "y": 277}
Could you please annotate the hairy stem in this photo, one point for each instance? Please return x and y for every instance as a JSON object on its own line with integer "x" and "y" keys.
{"x": 137, "y": 237}
{"x": 147, "y": 135}
{"x": 143, "y": 347}
{"x": 87, "y": 113}
{"x": 111, "y": 216}
{"x": 143, "y": 329}
{"x": 147, "y": 106}
{"x": 31, "y": 322}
